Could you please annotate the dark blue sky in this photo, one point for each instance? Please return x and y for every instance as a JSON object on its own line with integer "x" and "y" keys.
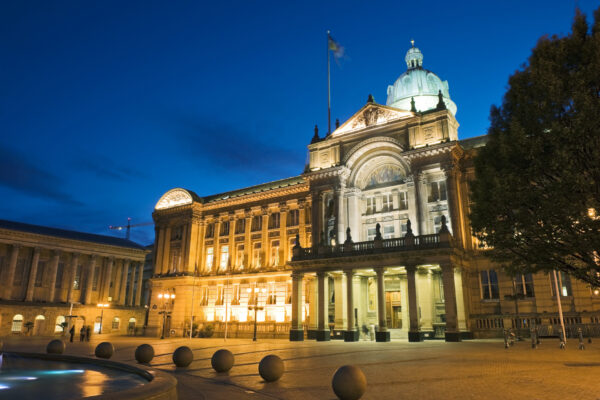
{"x": 105, "y": 105}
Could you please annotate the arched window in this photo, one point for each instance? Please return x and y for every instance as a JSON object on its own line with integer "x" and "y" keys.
{"x": 59, "y": 321}
{"x": 40, "y": 318}
{"x": 131, "y": 325}
{"x": 115, "y": 323}
{"x": 17, "y": 323}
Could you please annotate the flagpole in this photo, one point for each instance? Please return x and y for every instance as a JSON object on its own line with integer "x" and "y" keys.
{"x": 328, "y": 88}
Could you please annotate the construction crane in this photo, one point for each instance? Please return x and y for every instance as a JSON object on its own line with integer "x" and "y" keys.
{"x": 129, "y": 226}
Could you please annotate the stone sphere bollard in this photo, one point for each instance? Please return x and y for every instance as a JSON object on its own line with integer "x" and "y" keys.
{"x": 349, "y": 383}
{"x": 144, "y": 353}
{"x": 55, "y": 346}
{"x": 183, "y": 356}
{"x": 222, "y": 360}
{"x": 104, "y": 350}
{"x": 271, "y": 368}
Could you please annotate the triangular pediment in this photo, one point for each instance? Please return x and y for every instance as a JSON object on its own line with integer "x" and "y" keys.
{"x": 372, "y": 114}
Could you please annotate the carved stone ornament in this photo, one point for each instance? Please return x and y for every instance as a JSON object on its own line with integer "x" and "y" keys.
{"x": 174, "y": 198}
{"x": 372, "y": 115}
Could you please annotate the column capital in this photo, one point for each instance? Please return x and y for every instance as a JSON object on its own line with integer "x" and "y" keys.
{"x": 446, "y": 265}
{"x": 411, "y": 267}
{"x": 380, "y": 271}
{"x": 297, "y": 275}
{"x": 348, "y": 271}
{"x": 56, "y": 253}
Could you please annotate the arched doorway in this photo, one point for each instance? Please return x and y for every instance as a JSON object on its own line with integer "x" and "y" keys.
{"x": 116, "y": 324}
{"x": 131, "y": 326}
{"x": 60, "y": 325}
{"x": 17, "y": 324}
{"x": 39, "y": 325}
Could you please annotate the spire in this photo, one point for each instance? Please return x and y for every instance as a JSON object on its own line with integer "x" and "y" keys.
{"x": 316, "y": 137}
{"x": 441, "y": 105}
{"x": 370, "y": 99}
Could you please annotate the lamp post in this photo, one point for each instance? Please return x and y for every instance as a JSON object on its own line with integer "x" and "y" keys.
{"x": 167, "y": 300}
{"x": 102, "y": 306}
{"x": 255, "y": 307}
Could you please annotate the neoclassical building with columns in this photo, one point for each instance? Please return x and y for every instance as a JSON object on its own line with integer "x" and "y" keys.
{"x": 52, "y": 276}
{"x": 371, "y": 240}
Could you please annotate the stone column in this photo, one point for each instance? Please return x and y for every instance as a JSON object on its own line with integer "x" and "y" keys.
{"x": 53, "y": 270}
{"x": 382, "y": 334}
{"x": 89, "y": 280}
{"x": 32, "y": 274}
{"x": 138, "y": 290}
{"x": 166, "y": 251}
{"x": 420, "y": 194}
{"x": 283, "y": 238}
{"x": 313, "y": 304}
{"x": 351, "y": 334}
{"x": 354, "y": 215}
{"x": 10, "y": 276}
{"x": 426, "y": 301}
{"x": 452, "y": 198}
{"x": 414, "y": 335}
{"x": 107, "y": 279}
{"x": 71, "y": 277}
{"x": 217, "y": 247}
{"x": 341, "y": 312}
{"x": 302, "y": 223}
{"x": 341, "y": 214}
{"x": 323, "y": 309}
{"x": 452, "y": 333}
{"x": 297, "y": 330}
{"x": 131, "y": 285}
{"x": 159, "y": 235}
{"x": 184, "y": 250}
{"x": 124, "y": 282}
{"x": 248, "y": 241}
{"x": 266, "y": 245}
{"x": 191, "y": 259}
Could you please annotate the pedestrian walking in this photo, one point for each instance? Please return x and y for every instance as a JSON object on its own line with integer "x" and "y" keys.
{"x": 88, "y": 332}
{"x": 82, "y": 334}
{"x": 72, "y": 333}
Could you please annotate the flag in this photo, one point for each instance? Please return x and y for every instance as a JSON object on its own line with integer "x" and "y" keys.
{"x": 335, "y": 47}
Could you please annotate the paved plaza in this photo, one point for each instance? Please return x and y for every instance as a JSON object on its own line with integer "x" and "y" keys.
{"x": 480, "y": 369}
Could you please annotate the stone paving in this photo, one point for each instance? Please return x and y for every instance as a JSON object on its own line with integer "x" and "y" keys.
{"x": 480, "y": 369}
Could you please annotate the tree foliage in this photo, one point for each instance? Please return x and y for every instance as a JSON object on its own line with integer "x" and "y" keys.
{"x": 536, "y": 193}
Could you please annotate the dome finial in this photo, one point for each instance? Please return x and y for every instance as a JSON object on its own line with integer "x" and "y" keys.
{"x": 412, "y": 42}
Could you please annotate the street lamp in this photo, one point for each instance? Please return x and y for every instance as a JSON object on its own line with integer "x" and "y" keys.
{"x": 102, "y": 306}
{"x": 255, "y": 307}
{"x": 167, "y": 300}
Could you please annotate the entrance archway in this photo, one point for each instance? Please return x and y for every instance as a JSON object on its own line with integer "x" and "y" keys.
{"x": 38, "y": 325}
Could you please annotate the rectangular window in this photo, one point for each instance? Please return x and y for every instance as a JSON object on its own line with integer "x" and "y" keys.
{"x": 293, "y": 218}
{"x": 235, "y": 301}
{"x": 60, "y": 270}
{"x": 489, "y": 285}
{"x": 224, "y": 228}
{"x": 175, "y": 260}
{"x": 387, "y": 204}
{"x": 272, "y": 296}
{"x": 256, "y": 223}
{"x": 402, "y": 201}
{"x": 204, "y": 296}
{"x": 371, "y": 233}
{"x": 210, "y": 254}
{"x": 524, "y": 285}
{"x": 240, "y": 226}
{"x": 39, "y": 274}
{"x": 224, "y": 258}
{"x": 176, "y": 233}
{"x": 403, "y": 229}
{"x": 210, "y": 230}
{"x": 564, "y": 284}
{"x": 239, "y": 256}
{"x": 388, "y": 231}
{"x": 256, "y": 255}
{"x": 274, "y": 220}
{"x": 77, "y": 281}
{"x": 437, "y": 223}
{"x": 220, "y": 296}
{"x": 371, "y": 205}
{"x": 274, "y": 253}
{"x": 437, "y": 191}
{"x": 96, "y": 278}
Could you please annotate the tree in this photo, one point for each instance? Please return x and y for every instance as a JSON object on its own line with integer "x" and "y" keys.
{"x": 536, "y": 194}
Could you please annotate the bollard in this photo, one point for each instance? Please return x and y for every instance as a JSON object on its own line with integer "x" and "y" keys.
{"x": 589, "y": 332}
{"x": 580, "y": 336}
{"x": 271, "y": 368}
{"x": 222, "y": 360}
{"x": 533, "y": 339}
{"x": 349, "y": 383}
{"x": 55, "y": 346}
{"x": 104, "y": 350}
{"x": 144, "y": 353}
{"x": 183, "y": 356}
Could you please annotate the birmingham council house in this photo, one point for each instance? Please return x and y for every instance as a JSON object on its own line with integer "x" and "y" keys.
{"x": 373, "y": 239}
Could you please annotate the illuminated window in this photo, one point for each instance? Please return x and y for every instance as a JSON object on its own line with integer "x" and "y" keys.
{"x": 387, "y": 204}
{"x": 274, "y": 220}
{"x": 274, "y": 259}
{"x": 371, "y": 232}
{"x": 489, "y": 285}
{"x": 293, "y": 218}
{"x": 388, "y": 231}
{"x": 209, "y": 258}
{"x": 115, "y": 323}
{"x": 224, "y": 258}
{"x": 210, "y": 230}
{"x": 77, "y": 281}
{"x": 402, "y": 201}
{"x": 204, "y": 296}
{"x": 224, "y": 231}
{"x": 236, "y": 295}
{"x": 436, "y": 192}
{"x": 220, "y": 296}
{"x": 240, "y": 226}
{"x": 524, "y": 285}
{"x": 256, "y": 255}
{"x": 271, "y": 295}
{"x": 256, "y": 223}
{"x": 239, "y": 256}
{"x": 58, "y": 326}
{"x": 39, "y": 275}
{"x": 17, "y": 324}
{"x": 371, "y": 205}
{"x": 564, "y": 284}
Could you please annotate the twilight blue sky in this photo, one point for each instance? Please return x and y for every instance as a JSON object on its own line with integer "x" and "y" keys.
{"x": 105, "y": 105}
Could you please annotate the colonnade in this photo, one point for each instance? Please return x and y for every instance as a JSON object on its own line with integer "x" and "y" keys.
{"x": 382, "y": 334}
{"x": 61, "y": 272}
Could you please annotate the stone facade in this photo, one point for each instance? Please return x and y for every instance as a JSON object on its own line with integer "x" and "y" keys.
{"x": 373, "y": 239}
{"x": 50, "y": 276}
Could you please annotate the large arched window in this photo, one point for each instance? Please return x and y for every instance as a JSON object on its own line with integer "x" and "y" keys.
{"x": 58, "y": 327}
{"x": 115, "y": 323}
{"x": 17, "y": 323}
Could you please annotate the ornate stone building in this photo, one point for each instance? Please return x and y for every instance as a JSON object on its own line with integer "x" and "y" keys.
{"x": 52, "y": 276}
{"x": 373, "y": 239}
